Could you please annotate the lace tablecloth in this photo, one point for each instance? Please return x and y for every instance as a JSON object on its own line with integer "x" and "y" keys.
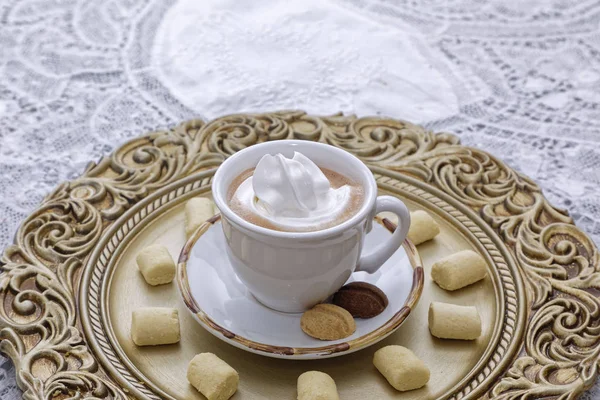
{"x": 520, "y": 79}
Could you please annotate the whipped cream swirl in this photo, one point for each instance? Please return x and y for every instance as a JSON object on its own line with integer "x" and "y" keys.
{"x": 292, "y": 193}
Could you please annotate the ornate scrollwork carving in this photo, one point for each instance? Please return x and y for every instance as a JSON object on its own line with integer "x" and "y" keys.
{"x": 39, "y": 318}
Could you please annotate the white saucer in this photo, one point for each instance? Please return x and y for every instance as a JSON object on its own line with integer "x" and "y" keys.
{"x": 224, "y": 306}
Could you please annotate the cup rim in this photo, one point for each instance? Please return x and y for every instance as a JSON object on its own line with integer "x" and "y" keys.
{"x": 368, "y": 181}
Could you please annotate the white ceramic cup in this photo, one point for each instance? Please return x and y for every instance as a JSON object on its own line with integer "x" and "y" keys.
{"x": 292, "y": 271}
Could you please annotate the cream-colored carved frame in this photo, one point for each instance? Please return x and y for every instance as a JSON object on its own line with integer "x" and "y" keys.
{"x": 42, "y": 332}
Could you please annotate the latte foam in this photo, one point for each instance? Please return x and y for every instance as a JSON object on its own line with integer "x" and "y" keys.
{"x": 294, "y": 195}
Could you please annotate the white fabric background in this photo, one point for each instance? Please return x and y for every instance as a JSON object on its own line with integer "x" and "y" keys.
{"x": 520, "y": 79}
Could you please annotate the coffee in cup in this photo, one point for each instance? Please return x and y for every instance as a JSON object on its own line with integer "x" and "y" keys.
{"x": 294, "y": 195}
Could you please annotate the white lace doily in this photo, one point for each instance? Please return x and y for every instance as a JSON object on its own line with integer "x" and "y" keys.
{"x": 520, "y": 79}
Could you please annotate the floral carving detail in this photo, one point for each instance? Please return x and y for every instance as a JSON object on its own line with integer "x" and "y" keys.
{"x": 40, "y": 272}
{"x": 39, "y": 317}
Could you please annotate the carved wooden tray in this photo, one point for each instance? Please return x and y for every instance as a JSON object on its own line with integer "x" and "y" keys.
{"x": 69, "y": 282}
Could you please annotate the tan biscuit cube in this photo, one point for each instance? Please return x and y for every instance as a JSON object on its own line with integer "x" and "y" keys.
{"x": 449, "y": 321}
{"x": 212, "y": 377}
{"x": 401, "y": 367}
{"x": 197, "y": 211}
{"x": 459, "y": 270}
{"x": 156, "y": 265}
{"x": 151, "y": 326}
{"x": 315, "y": 385}
{"x": 422, "y": 227}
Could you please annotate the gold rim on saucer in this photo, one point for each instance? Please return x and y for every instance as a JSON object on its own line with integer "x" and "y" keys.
{"x": 293, "y": 352}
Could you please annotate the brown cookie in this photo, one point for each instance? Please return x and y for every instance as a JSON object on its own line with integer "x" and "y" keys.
{"x": 361, "y": 299}
{"x": 327, "y": 322}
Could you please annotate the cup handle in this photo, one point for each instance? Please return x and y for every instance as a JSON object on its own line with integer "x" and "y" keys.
{"x": 375, "y": 259}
